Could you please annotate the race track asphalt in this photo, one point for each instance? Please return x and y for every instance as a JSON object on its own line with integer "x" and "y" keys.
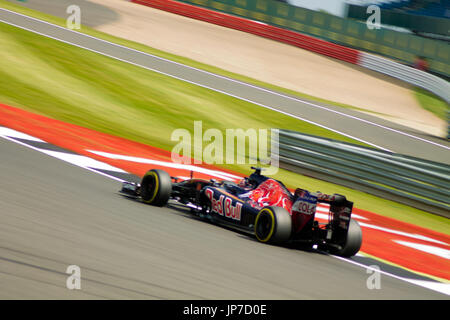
{"x": 55, "y": 214}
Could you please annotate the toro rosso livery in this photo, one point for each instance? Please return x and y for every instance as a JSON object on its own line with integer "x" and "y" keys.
{"x": 259, "y": 205}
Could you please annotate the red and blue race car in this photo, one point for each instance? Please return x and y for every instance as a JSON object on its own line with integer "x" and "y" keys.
{"x": 258, "y": 205}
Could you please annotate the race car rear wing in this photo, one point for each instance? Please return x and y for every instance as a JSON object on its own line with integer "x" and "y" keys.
{"x": 339, "y": 213}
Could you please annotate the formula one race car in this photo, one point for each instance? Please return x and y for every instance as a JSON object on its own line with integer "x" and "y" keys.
{"x": 258, "y": 205}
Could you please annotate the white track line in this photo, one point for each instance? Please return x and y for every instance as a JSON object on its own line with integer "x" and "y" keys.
{"x": 435, "y": 286}
{"x": 82, "y": 161}
{"x": 61, "y": 158}
{"x": 228, "y": 79}
{"x": 401, "y": 233}
{"x": 216, "y": 173}
{"x": 16, "y": 134}
{"x": 437, "y": 251}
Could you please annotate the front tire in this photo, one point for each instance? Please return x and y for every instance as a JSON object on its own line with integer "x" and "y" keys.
{"x": 273, "y": 225}
{"x": 156, "y": 187}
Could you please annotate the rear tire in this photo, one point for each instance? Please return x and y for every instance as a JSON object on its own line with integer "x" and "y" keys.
{"x": 156, "y": 187}
{"x": 353, "y": 241}
{"x": 273, "y": 225}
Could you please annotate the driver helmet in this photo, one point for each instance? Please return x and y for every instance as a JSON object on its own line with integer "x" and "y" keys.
{"x": 243, "y": 183}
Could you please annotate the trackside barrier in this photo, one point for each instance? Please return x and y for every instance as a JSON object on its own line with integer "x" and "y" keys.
{"x": 429, "y": 82}
{"x": 412, "y": 181}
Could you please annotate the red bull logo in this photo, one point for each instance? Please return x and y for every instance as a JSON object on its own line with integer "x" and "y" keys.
{"x": 224, "y": 206}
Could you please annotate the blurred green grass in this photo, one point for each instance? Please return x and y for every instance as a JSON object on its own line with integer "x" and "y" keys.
{"x": 141, "y": 47}
{"x": 432, "y": 103}
{"x": 78, "y": 86}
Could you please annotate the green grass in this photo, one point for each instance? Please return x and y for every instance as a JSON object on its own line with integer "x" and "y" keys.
{"x": 78, "y": 86}
{"x": 432, "y": 103}
{"x": 138, "y": 46}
